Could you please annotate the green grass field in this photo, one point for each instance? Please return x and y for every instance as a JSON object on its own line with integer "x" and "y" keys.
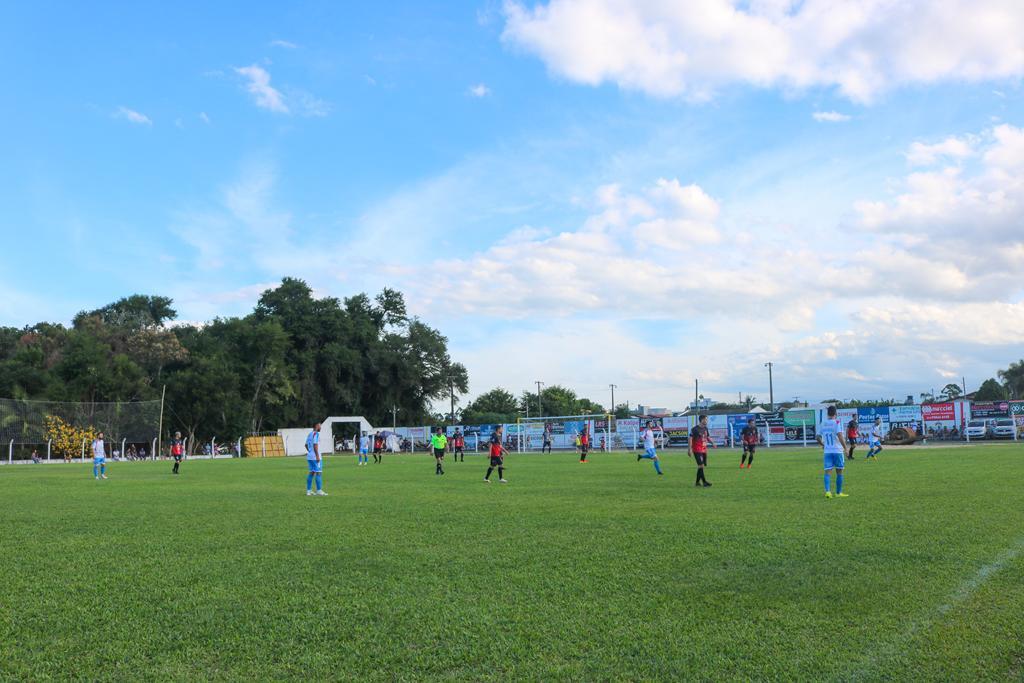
{"x": 570, "y": 572}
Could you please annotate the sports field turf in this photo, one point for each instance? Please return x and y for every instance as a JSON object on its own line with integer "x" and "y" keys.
{"x": 601, "y": 571}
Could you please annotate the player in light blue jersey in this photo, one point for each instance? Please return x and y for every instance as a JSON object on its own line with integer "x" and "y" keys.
{"x": 364, "y": 449}
{"x": 830, "y": 437}
{"x": 875, "y": 441}
{"x": 99, "y": 457}
{"x": 315, "y": 462}
{"x": 649, "y": 452}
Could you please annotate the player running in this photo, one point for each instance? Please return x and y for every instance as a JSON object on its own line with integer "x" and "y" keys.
{"x": 649, "y": 452}
{"x": 459, "y": 444}
{"x": 830, "y": 436}
{"x": 876, "y": 440}
{"x": 584, "y": 440}
{"x": 498, "y": 454}
{"x": 177, "y": 451}
{"x": 852, "y": 434}
{"x": 749, "y": 437}
{"x": 99, "y": 457}
{"x": 697, "y": 448}
{"x": 315, "y": 462}
{"x": 364, "y": 450}
{"x": 439, "y": 442}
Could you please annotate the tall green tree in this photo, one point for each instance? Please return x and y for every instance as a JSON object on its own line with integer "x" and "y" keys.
{"x": 495, "y": 406}
{"x": 1013, "y": 379}
{"x": 991, "y": 390}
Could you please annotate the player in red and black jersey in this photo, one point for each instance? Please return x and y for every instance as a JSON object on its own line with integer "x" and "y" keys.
{"x": 459, "y": 446}
{"x": 750, "y": 439}
{"x": 498, "y": 453}
{"x": 852, "y": 434}
{"x": 584, "y": 444}
{"x": 177, "y": 451}
{"x": 697, "y": 448}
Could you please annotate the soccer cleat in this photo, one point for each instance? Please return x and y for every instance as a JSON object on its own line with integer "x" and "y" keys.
{"x": 321, "y": 492}
{"x": 308, "y": 492}
{"x": 486, "y": 480}
{"x": 97, "y": 478}
{"x": 661, "y": 474}
{"x": 707, "y": 484}
{"x": 639, "y": 457}
{"x": 828, "y": 494}
{"x": 842, "y": 495}
{"x": 103, "y": 476}
{"x": 503, "y": 481}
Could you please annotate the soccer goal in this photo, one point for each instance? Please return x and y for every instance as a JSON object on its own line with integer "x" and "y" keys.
{"x": 560, "y": 432}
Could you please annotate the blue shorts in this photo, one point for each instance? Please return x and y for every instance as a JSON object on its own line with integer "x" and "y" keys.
{"x": 835, "y": 460}
{"x": 99, "y": 459}
{"x": 650, "y": 453}
{"x": 315, "y": 466}
{"x": 875, "y": 443}
{"x": 362, "y": 451}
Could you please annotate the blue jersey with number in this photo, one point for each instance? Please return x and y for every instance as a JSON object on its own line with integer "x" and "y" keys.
{"x": 312, "y": 440}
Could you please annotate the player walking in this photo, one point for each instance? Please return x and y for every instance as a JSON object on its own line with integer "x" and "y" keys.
{"x": 99, "y": 457}
{"x": 749, "y": 437}
{"x": 852, "y": 434}
{"x": 440, "y": 444}
{"x": 315, "y": 462}
{"x": 697, "y": 448}
{"x": 177, "y": 451}
{"x": 830, "y": 436}
{"x": 498, "y": 453}
{"x": 364, "y": 450}
{"x": 584, "y": 440}
{"x": 876, "y": 440}
{"x": 649, "y": 452}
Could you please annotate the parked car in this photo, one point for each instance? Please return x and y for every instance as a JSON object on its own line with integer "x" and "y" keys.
{"x": 976, "y": 429}
{"x": 1002, "y": 428}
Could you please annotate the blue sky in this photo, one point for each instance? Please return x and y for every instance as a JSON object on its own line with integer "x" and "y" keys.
{"x": 576, "y": 192}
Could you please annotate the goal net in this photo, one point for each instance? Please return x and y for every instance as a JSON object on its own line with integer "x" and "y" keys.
{"x": 561, "y": 432}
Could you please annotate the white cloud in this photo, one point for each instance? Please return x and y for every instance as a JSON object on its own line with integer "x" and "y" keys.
{"x": 132, "y": 116}
{"x": 830, "y": 117}
{"x": 288, "y": 45}
{"x": 258, "y": 85}
{"x": 922, "y": 154}
{"x": 204, "y": 118}
{"x": 669, "y": 48}
{"x": 479, "y": 90}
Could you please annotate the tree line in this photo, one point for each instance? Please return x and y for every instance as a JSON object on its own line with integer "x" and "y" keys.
{"x": 293, "y": 360}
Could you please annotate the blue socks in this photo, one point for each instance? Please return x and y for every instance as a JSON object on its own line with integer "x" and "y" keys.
{"x": 828, "y": 484}
{"x": 95, "y": 471}
{"x": 309, "y": 482}
{"x": 657, "y": 467}
{"x": 839, "y": 483}
{"x": 319, "y": 481}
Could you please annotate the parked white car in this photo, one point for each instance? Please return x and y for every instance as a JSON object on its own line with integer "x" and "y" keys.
{"x": 976, "y": 429}
{"x": 1003, "y": 428}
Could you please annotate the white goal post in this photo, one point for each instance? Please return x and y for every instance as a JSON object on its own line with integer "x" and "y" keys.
{"x": 559, "y": 432}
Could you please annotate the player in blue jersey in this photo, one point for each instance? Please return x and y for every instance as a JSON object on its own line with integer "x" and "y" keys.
{"x": 830, "y": 437}
{"x": 99, "y": 457}
{"x": 875, "y": 440}
{"x": 649, "y": 452}
{"x": 315, "y": 462}
{"x": 364, "y": 449}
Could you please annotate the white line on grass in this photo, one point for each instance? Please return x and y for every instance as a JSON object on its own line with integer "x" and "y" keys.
{"x": 869, "y": 668}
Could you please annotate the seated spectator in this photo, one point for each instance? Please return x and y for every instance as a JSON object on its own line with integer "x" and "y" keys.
{"x": 35, "y": 457}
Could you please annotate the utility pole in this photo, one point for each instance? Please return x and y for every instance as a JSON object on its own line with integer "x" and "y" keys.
{"x": 451, "y": 390}
{"x": 540, "y": 403}
{"x": 771, "y": 389}
{"x": 696, "y": 394}
{"x": 612, "y": 411}
{"x": 394, "y": 418}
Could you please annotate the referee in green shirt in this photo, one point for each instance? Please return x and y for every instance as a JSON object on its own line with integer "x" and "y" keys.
{"x": 440, "y": 444}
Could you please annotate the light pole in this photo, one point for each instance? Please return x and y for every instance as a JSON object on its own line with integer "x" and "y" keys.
{"x": 771, "y": 389}
{"x": 612, "y": 411}
{"x": 394, "y": 418}
{"x": 540, "y": 404}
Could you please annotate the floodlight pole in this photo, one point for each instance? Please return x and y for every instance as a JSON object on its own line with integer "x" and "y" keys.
{"x": 160, "y": 428}
{"x": 771, "y": 389}
{"x": 540, "y": 402}
{"x": 394, "y": 419}
{"x": 613, "y": 398}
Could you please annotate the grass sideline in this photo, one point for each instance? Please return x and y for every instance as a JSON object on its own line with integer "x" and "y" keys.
{"x": 601, "y": 571}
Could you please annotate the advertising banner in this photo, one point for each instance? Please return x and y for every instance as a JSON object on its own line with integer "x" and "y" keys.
{"x": 939, "y": 412}
{"x": 628, "y": 425}
{"x": 718, "y": 428}
{"x": 1017, "y": 411}
{"x": 736, "y": 425}
{"x": 799, "y": 424}
{"x": 905, "y": 416}
{"x": 677, "y": 429}
{"x": 981, "y": 410}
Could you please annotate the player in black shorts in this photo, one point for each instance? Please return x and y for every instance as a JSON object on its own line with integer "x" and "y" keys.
{"x": 750, "y": 438}
{"x": 697, "y": 447}
{"x": 498, "y": 453}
